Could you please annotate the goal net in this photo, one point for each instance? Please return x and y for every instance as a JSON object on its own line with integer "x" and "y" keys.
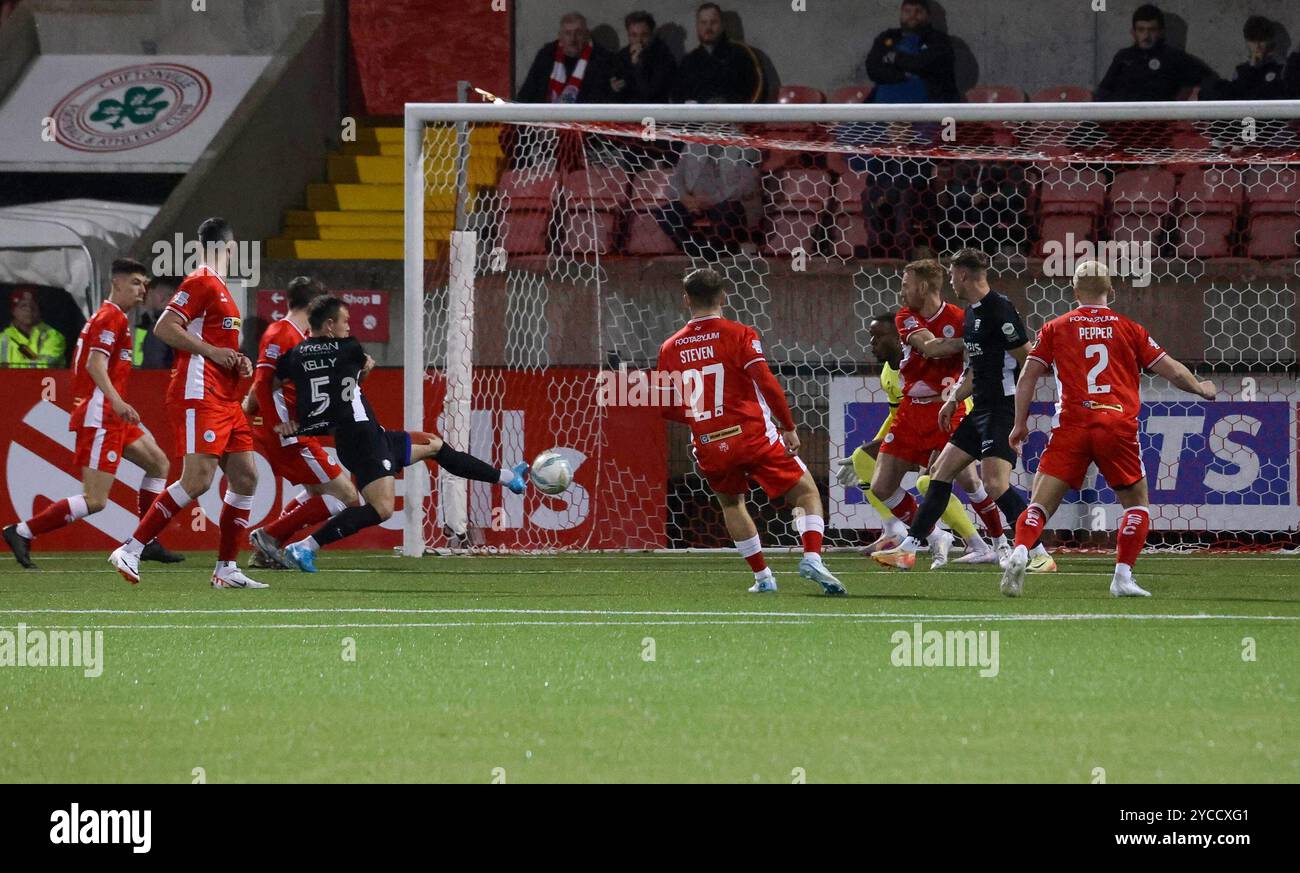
{"x": 545, "y": 247}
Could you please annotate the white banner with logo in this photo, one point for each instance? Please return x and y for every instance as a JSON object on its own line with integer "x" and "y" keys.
{"x": 117, "y": 112}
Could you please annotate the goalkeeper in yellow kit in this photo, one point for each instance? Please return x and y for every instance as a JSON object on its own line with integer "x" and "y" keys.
{"x": 857, "y": 468}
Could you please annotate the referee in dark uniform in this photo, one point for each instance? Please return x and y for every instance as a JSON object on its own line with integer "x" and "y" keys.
{"x": 996, "y": 346}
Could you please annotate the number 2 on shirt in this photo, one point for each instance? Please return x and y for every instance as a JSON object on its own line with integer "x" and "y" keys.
{"x": 694, "y": 382}
{"x": 1103, "y": 359}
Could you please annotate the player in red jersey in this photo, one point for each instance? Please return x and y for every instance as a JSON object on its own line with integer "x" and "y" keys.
{"x": 202, "y": 324}
{"x": 933, "y": 350}
{"x": 107, "y": 427}
{"x": 1098, "y": 356}
{"x": 302, "y": 460}
{"x": 719, "y": 383}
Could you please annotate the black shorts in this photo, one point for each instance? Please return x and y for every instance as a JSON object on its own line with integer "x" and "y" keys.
{"x": 984, "y": 433}
{"x": 370, "y": 452}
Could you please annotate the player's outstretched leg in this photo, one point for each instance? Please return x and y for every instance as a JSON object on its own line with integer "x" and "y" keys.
{"x": 19, "y": 536}
{"x": 430, "y": 447}
{"x": 745, "y": 535}
{"x": 810, "y": 523}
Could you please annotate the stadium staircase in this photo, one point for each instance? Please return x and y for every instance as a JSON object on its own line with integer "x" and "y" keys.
{"x": 357, "y": 213}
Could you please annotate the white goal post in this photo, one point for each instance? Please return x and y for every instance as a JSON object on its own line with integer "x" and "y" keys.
{"x": 819, "y": 147}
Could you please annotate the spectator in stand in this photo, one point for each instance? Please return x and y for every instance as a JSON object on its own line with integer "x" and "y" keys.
{"x": 912, "y": 63}
{"x": 572, "y": 69}
{"x": 1291, "y": 78}
{"x": 716, "y": 200}
{"x": 1151, "y": 69}
{"x": 718, "y": 70}
{"x": 151, "y": 352}
{"x": 1262, "y": 77}
{"x": 28, "y": 342}
{"x": 644, "y": 69}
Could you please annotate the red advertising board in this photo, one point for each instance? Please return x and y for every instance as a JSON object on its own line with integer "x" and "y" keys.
{"x": 367, "y": 311}
{"x": 619, "y": 463}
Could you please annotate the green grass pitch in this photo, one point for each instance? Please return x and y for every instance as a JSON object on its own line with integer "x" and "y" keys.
{"x": 602, "y": 668}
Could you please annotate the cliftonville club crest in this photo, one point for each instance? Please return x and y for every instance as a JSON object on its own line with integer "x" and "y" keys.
{"x": 131, "y": 107}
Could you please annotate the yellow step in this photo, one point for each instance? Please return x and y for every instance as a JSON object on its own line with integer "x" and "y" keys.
{"x": 343, "y": 250}
{"x": 361, "y": 232}
{"x": 368, "y": 169}
{"x": 483, "y": 150}
{"x": 323, "y": 196}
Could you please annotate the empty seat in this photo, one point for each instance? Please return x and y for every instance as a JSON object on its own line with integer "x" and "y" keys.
{"x": 1211, "y": 190}
{"x": 603, "y": 187}
{"x": 1273, "y": 236}
{"x": 1062, "y": 94}
{"x": 525, "y": 231}
{"x": 800, "y": 94}
{"x": 1142, "y": 191}
{"x": 847, "y": 192}
{"x": 995, "y": 94}
{"x": 1272, "y": 190}
{"x": 789, "y": 231}
{"x": 1067, "y": 230}
{"x": 851, "y": 94}
{"x": 1146, "y": 228}
{"x": 588, "y": 231}
{"x": 646, "y": 237}
{"x": 1205, "y": 235}
{"x": 847, "y": 233}
{"x": 1081, "y": 194}
{"x": 652, "y": 187}
{"x": 528, "y": 189}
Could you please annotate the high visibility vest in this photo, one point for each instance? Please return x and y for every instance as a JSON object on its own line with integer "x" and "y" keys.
{"x": 137, "y": 356}
{"x": 42, "y": 350}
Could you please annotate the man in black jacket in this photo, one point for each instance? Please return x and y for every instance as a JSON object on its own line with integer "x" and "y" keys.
{"x": 572, "y": 69}
{"x": 1262, "y": 76}
{"x": 644, "y": 69}
{"x": 1151, "y": 69}
{"x": 719, "y": 70}
{"x": 912, "y": 63}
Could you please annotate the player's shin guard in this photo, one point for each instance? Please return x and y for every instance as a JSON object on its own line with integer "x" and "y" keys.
{"x": 346, "y": 523}
{"x": 150, "y": 490}
{"x": 988, "y": 513}
{"x": 1013, "y": 505}
{"x": 1029, "y": 526}
{"x": 466, "y": 466}
{"x": 903, "y": 505}
{"x": 164, "y": 509}
{"x": 55, "y": 516}
{"x": 933, "y": 506}
{"x": 812, "y": 528}
{"x": 1133, "y": 527}
{"x": 752, "y": 551}
{"x": 233, "y": 524}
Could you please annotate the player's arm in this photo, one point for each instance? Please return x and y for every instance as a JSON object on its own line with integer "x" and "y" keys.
{"x": 1179, "y": 376}
{"x": 933, "y": 347}
{"x": 774, "y": 394}
{"x": 963, "y": 389}
{"x": 171, "y": 330}
{"x": 1034, "y": 370}
{"x": 97, "y": 367}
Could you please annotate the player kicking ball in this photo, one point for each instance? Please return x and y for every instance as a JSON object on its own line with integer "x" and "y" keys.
{"x": 722, "y": 387}
{"x": 1098, "y": 356}
{"x": 996, "y": 345}
{"x": 326, "y": 370}
{"x": 302, "y": 460}
{"x": 107, "y": 427}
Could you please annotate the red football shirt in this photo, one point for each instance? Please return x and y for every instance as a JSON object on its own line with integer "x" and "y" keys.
{"x": 278, "y": 339}
{"x": 712, "y": 356}
{"x": 928, "y": 377}
{"x": 208, "y": 311}
{"x": 109, "y": 333}
{"x": 1098, "y": 356}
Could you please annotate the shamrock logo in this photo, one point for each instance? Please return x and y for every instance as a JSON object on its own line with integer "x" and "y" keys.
{"x": 138, "y": 105}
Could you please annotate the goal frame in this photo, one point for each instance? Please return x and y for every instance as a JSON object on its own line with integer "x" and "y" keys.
{"x": 417, "y": 116}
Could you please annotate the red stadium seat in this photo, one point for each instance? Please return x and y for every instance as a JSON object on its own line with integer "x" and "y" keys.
{"x": 646, "y": 237}
{"x": 848, "y": 231}
{"x": 652, "y": 187}
{"x": 1205, "y": 235}
{"x": 584, "y": 231}
{"x": 851, "y": 94}
{"x": 995, "y": 94}
{"x": 1142, "y": 191}
{"x": 1062, "y": 94}
{"x": 848, "y": 191}
{"x": 1272, "y": 190}
{"x": 799, "y": 94}
{"x": 527, "y": 189}
{"x": 789, "y": 230}
{"x": 599, "y": 187}
{"x": 1273, "y": 236}
{"x": 1139, "y": 227}
{"x": 1084, "y": 194}
{"x": 1056, "y": 227}
{"x": 526, "y": 231}
{"x": 1211, "y": 190}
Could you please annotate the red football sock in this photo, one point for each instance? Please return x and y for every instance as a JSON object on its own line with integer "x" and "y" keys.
{"x": 308, "y": 514}
{"x": 1132, "y": 536}
{"x": 905, "y": 509}
{"x": 233, "y": 524}
{"x": 989, "y": 515}
{"x": 148, "y": 493}
{"x": 752, "y": 551}
{"x": 56, "y": 515}
{"x": 168, "y": 504}
{"x": 811, "y": 529}
{"x": 1029, "y": 527}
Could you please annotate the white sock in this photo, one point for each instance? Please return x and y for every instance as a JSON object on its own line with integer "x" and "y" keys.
{"x": 1000, "y": 542}
{"x": 1038, "y": 550}
{"x": 894, "y": 499}
{"x": 24, "y": 531}
{"x": 225, "y": 568}
{"x": 976, "y": 543}
{"x": 333, "y": 504}
{"x": 153, "y": 486}
{"x": 979, "y": 495}
{"x": 909, "y": 544}
{"x": 1123, "y": 570}
{"x": 77, "y": 508}
{"x": 310, "y": 544}
{"x": 815, "y": 523}
{"x": 765, "y": 573}
{"x": 893, "y": 527}
{"x": 133, "y": 547}
{"x": 506, "y": 476}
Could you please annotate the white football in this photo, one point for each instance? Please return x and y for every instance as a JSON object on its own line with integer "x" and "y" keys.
{"x": 551, "y": 473}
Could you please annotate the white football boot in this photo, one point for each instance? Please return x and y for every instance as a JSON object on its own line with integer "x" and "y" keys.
{"x": 1013, "y": 576}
